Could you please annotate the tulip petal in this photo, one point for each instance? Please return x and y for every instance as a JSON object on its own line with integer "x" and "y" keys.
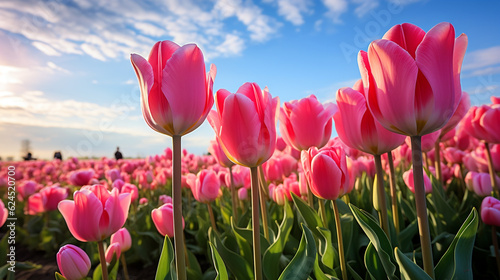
{"x": 406, "y": 35}
{"x": 184, "y": 86}
{"x": 240, "y": 129}
{"x": 393, "y": 103}
{"x": 83, "y": 215}
{"x": 352, "y": 107}
{"x": 458, "y": 57}
{"x": 434, "y": 58}
{"x": 326, "y": 177}
{"x": 214, "y": 121}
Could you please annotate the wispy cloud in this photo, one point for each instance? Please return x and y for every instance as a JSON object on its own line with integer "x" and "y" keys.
{"x": 481, "y": 58}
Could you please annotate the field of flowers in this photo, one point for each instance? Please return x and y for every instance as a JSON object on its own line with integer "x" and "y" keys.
{"x": 408, "y": 190}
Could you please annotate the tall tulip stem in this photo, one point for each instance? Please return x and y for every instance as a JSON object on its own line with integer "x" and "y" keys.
{"x": 102, "y": 258}
{"x": 322, "y": 210}
{"x": 494, "y": 238}
{"x": 263, "y": 206}
{"x": 343, "y": 267}
{"x": 257, "y": 265}
{"x": 212, "y": 217}
{"x": 234, "y": 196}
{"x": 437, "y": 161}
{"x": 491, "y": 170}
{"x": 394, "y": 198}
{"x": 180, "y": 260}
{"x": 124, "y": 265}
{"x": 421, "y": 204}
{"x": 381, "y": 196}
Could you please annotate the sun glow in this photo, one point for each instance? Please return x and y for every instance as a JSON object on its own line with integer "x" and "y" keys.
{"x": 8, "y": 75}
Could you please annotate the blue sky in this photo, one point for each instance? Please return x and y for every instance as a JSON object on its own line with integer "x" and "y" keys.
{"x": 66, "y": 82}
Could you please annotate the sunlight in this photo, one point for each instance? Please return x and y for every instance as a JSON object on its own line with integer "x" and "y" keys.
{"x": 8, "y": 75}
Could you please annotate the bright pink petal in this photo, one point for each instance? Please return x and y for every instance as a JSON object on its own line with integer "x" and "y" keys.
{"x": 434, "y": 58}
{"x": 458, "y": 56}
{"x": 82, "y": 215}
{"x": 184, "y": 86}
{"x": 394, "y": 100}
{"x": 326, "y": 177}
{"x": 352, "y": 107}
{"x": 406, "y": 35}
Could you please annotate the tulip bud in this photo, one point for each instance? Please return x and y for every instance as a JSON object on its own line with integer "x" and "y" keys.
{"x": 73, "y": 262}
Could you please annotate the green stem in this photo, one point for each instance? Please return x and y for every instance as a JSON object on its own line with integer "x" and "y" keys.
{"x": 421, "y": 204}
{"x": 180, "y": 260}
{"x": 491, "y": 170}
{"x": 343, "y": 267}
{"x": 310, "y": 199}
{"x": 102, "y": 258}
{"x": 124, "y": 265}
{"x": 494, "y": 238}
{"x": 394, "y": 197}
{"x": 234, "y": 197}
{"x": 263, "y": 206}
{"x": 381, "y": 196}
{"x": 255, "y": 224}
{"x": 212, "y": 217}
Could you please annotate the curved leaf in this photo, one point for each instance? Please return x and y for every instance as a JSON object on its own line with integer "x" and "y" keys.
{"x": 373, "y": 264}
{"x": 456, "y": 263}
{"x": 409, "y": 269}
{"x": 378, "y": 238}
{"x": 310, "y": 217}
{"x": 166, "y": 264}
{"x": 273, "y": 254}
{"x": 219, "y": 265}
{"x": 303, "y": 262}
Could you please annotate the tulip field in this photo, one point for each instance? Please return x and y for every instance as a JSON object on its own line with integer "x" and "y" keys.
{"x": 408, "y": 189}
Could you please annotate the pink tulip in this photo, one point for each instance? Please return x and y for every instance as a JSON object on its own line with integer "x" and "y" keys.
{"x": 176, "y": 93}
{"x": 490, "y": 211}
{"x": 165, "y": 199}
{"x": 52, "y": 195}
{"x": 113, "y": 249}
{"x": 3, "y": 213}
{"x": 495, "y": 99}
{"x": 482, "y": 123}
{"x": 81, "y": 177}
{"x": 243, "y": 194}
{"x": 356, "y": 126}
{"x": 306, "y": 122}
{"x": 95, "y": 212}
{"x": 326, "y": 171}
{"x": 459, "y": 114}
{"x": 122, "y": 237}
{"x": 73, "y": 262}
{"x": 408, "y": 179}
{"x": 26, "y": 188}
{"x": 245, "y": 124}
{"x": 479, "y": 183}
{"x": 164, "y": 220}
{"x": 453, "y": 155}
{"x": 132, "y": 190}
{"x": 35, "y": 204}
{"x": 143, "y": 201}
{"x": 113, "y": 175}
{"x": 280, "y": 144}
{"x": 412, "y": 78}
{"x": 207, "y": 186}
{"x": 215, "y": 150}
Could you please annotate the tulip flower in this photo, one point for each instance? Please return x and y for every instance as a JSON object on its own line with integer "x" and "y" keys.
{"x": 95, "y": 213}
{"x": 73, "y": 262}
{"x": 164, "y": 220}
{"x": 81, "y": 177}
{"x": 176, "y": 97}
{"x": 242, "y": 194}
{"x": 327, "y": 174}
{"x": 479, "y": 183}
{"x": 122, "y": 237}
{"x": 163, "y": 199}
{"x": 245, "y": 124}
{"x": 408, "y": 179}
{"x": 490, "y": 214}
{"x": 215, "y": 150}
{"x": 207, "y": 186}
{"x": 113, "y": 249}
{"x": 306, "y": 122}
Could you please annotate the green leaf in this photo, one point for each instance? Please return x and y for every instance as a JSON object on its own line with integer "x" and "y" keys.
{"x": 219, "y": 265}
{"x": 244, "y": 241}
{"x": 444, "y": 213}
{"x": 353, "y": 272}
{"x": 374, "y": 264}
{"x": 303, "y": 262}
{"x": 193, "y": 270}
{"x": 59, "y": 276}
{"x": 378, "y": 238}
{"x": 238, "y": 266}
{"x": 165, "y": 269}
{"x": 273, "y": 254}
{"x": 329, "y": 255}
{"x": 409, "y": 269}
{"x": 318, "y": 273}
{"x": 456, "y": 263}
{"x": 309, "y": 215}
{"x": 97, "y": 273}
{"x": 406, "y": 235}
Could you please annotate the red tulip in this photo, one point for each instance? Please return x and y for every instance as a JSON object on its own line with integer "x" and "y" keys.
{"x": 176, "y": 93}
{"x": 412, "y": 78}
{"x": 164, "y": 220}
{"x": 95, "y": 213}
{"x": 306, "y": 122}
{"x": 326, "y": 171}
{"x": 490, "y": 211}
{"x": 245, "y": 124}
{"x": 73, "y": 262}
{"x": 356, "y": 126}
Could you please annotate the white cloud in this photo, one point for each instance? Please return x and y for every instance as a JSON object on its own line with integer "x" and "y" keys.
{"x": 335, "y": 9}
{"x": 292, "y": 10}
{"x": 481, "y": 58}
{"x": 364, "y": 6}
